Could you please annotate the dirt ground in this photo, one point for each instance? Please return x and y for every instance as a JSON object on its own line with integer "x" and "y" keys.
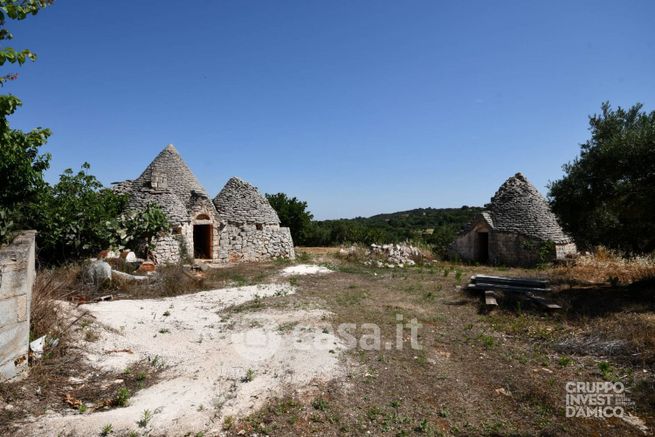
{"x": 502, "y": 373}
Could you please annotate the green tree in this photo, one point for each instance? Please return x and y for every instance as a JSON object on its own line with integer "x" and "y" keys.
{"x": 607, "y": 193}
{"x": 141, "y": 228}
{"x": 21, "y": 164}
{"x": 77, "y": 217}
{"x": 293, "y": 213}
{"x": 16, "y": 10}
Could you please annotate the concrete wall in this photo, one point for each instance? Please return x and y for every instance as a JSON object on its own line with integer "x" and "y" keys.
{"x": 17, "y": 273}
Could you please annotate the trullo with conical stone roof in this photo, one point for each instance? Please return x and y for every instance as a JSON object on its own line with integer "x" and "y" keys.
{"x": 516, "y": 228}
{"x": 238, "y": 225}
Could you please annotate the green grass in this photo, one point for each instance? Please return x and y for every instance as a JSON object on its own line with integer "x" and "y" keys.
{"x": 122, "y": 398}
{"x": 320, "y": 404}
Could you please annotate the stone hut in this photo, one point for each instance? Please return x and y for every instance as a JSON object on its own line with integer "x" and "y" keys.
{"x": 517, "y": 228}
{"x": 252, "y": 228}
{"x": 198, "y": 231}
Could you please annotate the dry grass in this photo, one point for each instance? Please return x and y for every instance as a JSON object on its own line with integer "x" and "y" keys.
{"x": 49, "y": 286}
{"x": 604, "y": 265}
{"x": 451, "y": 386}
{"x": 174, "y": 280}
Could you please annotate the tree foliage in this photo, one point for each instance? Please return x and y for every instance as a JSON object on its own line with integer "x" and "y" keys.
{"x": 21, "y": 163}
{"x": 607, "y": 193}
{"x": 139, "y": 229}
{"x": 434, "y": 227}
{"x": 76, "y": 217}
{"x": 16, "y": 10}
{"x": 293, "y": 214}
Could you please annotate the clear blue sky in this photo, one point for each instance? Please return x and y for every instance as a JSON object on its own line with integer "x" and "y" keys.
{"x": 357, "y": 107}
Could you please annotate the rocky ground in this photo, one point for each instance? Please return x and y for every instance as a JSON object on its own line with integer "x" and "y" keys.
{"x": 274, "y": 358}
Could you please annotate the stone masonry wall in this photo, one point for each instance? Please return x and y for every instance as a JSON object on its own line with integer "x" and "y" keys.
{"x": 513, "y": 249}
{"x": 248, "y": 243}
{"x": 17, "y": 273}
{"x": 465, "y": 246}
{"x": 167, "y": 248}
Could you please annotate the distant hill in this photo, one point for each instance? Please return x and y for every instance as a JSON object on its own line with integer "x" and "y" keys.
{"x": 434, "y": 226}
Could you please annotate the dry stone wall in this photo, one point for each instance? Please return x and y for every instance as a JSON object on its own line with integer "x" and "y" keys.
{"x": 17, "y": 274}
{"x": 248, "y": 243}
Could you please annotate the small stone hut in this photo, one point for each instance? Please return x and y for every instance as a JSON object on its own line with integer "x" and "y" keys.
{"x": 251, "y": 226}
{"x": 238, "y": 225}
{"x": 517, "y": 228}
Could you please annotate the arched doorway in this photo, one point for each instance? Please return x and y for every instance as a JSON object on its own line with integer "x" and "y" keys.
{"x": 202, "y": 237}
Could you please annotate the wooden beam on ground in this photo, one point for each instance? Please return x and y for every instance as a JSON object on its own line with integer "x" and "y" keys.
{"x": 528, "y": 282}
{"x": 510, "y": 288}
{"x": 543, "y": 302}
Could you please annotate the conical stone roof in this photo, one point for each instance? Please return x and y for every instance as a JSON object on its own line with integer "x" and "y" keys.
{"x": 169, "y": 171}
{"x": 167, "y": 182}
{"x": 518, "y": 207}
{"x": 168, "y": 202}
{"x": 240, "y": 202}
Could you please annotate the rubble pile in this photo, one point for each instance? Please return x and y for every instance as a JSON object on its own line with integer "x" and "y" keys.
{"x": 385, "y": 255}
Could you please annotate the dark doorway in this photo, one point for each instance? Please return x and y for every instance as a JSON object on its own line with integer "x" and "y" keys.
{"x": 202, "y": 241}
{"x": 483, "y": 247}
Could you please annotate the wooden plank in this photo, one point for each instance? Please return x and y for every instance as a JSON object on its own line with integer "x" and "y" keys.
{"x": 533, "y": 283}
{"x": 502, "y": 287}
{"x": 544, "y": 302}
{"x": 490, "y": 298}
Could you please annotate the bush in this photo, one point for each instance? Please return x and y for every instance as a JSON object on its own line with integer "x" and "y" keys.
{"x": 606, "y": 195}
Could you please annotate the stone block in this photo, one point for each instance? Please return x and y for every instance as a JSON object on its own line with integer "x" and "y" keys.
{"x": 14, "y": 341}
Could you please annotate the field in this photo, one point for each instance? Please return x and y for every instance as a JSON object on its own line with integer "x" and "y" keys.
{"x": 473, "y": 372}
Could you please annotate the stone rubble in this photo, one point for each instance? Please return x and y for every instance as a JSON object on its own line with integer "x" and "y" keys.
{"x": 387, "y": 255}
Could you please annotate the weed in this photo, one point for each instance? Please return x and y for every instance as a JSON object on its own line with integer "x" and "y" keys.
{"x": 487, "y": 341}
{"x": 606, "y": 370}
{"x": 425, "y": 427}
{"x": 281, "y": 292}
{"x": 145, "y": 419}
{"x": 91, "y": 336}
{"x": 373, "y": 413}
{"x": 287, "y": 326}
{"x": 106, "y": 430}
{"x": 228, "y": 423}
{"x": 565, "y": 361}
{"x": 249, "y": 376}
{"x": 122, "y": 397}
{"x": 164, "y": 331}
{"x": 320, "y": 404}
{"x": 82, "y": 408}
{"x": 157, "y": 362}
